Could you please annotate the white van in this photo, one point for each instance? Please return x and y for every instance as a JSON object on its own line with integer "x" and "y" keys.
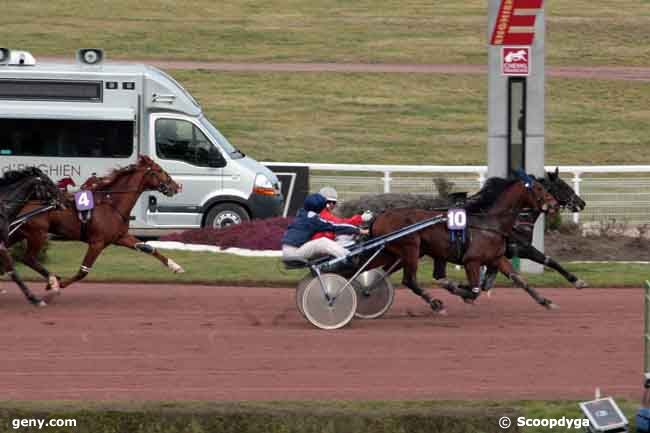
{"x": 76, "y": 119}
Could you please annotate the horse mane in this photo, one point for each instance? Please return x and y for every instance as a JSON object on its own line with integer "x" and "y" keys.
{"x": 487, "y": 195}
{"x": 12, "y": 176}
{"x": 95, "y": 183}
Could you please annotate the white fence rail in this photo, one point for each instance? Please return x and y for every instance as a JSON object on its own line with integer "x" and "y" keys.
{"x": 618, "y": 193}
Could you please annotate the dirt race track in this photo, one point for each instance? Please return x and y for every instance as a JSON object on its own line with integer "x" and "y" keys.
{"x": 167, "y": 342}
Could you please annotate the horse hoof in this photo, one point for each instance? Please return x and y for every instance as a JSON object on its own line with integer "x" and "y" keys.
{"x": 3, "y": 291}
{"x": 580, "y": 284}
{"x": 49, "y": 296}
{"x": 41, "y": 304}
{"x": 551, "y": 306}
{"x": 175, "y": 267}
{"x": 469, "y": 301}
{"x": 437, "y": 306}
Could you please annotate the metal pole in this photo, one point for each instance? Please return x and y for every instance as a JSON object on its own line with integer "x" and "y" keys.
{"x": 576, "y": 188}
{"x": 387, "y": 180}
{"x": 646, "y": 332}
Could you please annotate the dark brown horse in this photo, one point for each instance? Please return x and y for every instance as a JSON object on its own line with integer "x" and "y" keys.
{"x": 114, "y": 197}
{"x": 484, "y": 240}
{"x": 520, "y": 244}
{"x": 16, "y": 189}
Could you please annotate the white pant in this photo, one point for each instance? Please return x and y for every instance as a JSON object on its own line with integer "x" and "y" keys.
{"x": 316, "y": 248}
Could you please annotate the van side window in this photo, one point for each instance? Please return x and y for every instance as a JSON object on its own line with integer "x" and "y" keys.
{"x": 66, "y": 138}
{"x": 182, "y": 141}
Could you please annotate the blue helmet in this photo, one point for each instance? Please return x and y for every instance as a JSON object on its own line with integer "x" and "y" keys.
{"x": 315, "y": 202}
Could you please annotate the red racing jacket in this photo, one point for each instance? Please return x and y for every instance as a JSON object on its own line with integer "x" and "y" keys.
{"x": 329, "y": 216}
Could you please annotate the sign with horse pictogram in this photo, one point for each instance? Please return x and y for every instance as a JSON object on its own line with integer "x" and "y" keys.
{"x": 515, "y": 61}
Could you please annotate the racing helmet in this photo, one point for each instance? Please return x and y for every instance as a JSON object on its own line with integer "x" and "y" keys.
{"x": 329, "y": 193}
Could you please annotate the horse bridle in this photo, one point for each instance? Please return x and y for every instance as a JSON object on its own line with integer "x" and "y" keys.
{"x": 570, "y": 202}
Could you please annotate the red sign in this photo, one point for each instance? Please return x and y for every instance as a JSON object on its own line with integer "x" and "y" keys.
{"x": 515, "y": 23}
{"x": 515, "y": 60}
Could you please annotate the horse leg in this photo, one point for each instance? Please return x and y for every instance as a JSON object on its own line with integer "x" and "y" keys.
{"x": 506, "y": 268}
{"x": 134, "y": 243}
{"x": 7, "y": 261}
{"x": 453, "y": 287}
{"x": 94, "y": 250}
{"x": 35, "y": 241}
{"x": 487, "y": 282}
{"x": 409, "y": 279}
{"x": 532, "y": 253}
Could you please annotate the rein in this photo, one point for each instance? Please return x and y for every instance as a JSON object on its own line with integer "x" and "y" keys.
{"x": 138, "y": 190}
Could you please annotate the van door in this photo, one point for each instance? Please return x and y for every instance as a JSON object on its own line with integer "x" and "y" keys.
{"x": 183, "y": 149}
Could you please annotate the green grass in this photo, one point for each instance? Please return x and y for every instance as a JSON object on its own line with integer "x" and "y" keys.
{"x": 122, "y": 265}
{"x": 412, "y": 118}
{"x": 303, "y": 416}
{"x": 582, "y": 32}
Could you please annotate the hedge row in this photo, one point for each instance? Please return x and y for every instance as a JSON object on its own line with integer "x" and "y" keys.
{"x": 278, "y": 418}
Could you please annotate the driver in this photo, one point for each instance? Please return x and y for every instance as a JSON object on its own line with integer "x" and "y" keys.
{"x": 296, "y": 240}
{"x": 327, "y": 214}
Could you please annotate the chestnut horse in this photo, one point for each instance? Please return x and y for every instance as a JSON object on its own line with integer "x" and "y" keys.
{"x": 484, "y": 242}
{"x": 16, "y": 189}
{"x": 114, "y": 197}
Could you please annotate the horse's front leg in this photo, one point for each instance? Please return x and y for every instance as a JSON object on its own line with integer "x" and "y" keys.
{"x": 7, "y": 264}
{"x": 134, "y": 243}
{"x": 35, "y": 241}
{"x": 473, "y": 274}
{"x": 506, "y": 268}
{"x": 94, "y": 250}
{"x": 532, "y": 253}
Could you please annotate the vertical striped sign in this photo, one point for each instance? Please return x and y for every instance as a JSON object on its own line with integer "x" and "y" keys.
{"x": 515, "y": 23}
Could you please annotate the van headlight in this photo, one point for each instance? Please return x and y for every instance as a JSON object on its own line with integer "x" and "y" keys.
{"x": 264, "y": 186}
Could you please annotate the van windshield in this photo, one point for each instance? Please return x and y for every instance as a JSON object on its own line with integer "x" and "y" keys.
{"x": 223, "y": 141}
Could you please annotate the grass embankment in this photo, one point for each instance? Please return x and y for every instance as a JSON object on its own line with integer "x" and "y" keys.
{"x": 585, "y": 32}
{"x": 413, "y": 118}
{"x": 118, "y": 264}
{"x": 303, "y": 417}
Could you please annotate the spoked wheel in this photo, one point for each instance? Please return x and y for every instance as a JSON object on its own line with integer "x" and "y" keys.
{"x": 331, "y": 306}
{"x": 375, "y": 294}
{"x": 300, "y": 291}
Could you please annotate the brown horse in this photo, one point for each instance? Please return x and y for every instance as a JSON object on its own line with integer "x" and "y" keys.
{"x": 483, "y": 244}
{"x": 114, "y": 197}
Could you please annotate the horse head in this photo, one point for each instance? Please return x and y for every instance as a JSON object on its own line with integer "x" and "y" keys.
{"x": 32, "y": 184}
{"x": 156, "y": 178}
{"x": 563, "y": 193}
{"x": 535, "y": 195}
{"x": 46, "y": 190}
{"x": 543, "y": 200}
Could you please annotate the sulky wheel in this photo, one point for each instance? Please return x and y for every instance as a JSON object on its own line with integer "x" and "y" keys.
{"x": 300, "y": 290}
{"x": 332, "y": 305}
{"x": 375, "y": 294}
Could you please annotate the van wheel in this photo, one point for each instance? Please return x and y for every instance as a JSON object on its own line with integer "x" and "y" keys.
{"x": 226, "y": 214}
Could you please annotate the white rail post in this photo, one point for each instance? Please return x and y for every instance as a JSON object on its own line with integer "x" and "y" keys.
{"x": 387, "y": 180}
{"x": 576, "y": 188}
